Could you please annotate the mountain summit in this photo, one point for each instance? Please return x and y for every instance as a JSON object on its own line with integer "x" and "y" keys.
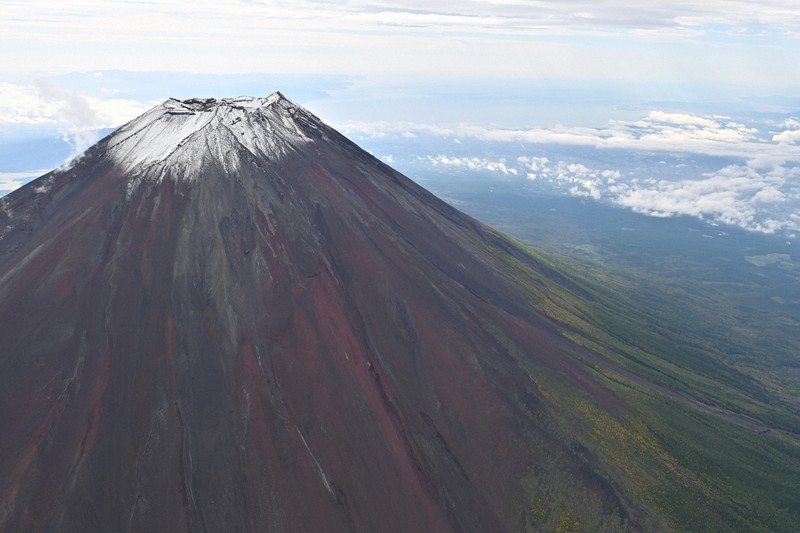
{"x": 225, "y": 316}
{"x": 190, "y": 132}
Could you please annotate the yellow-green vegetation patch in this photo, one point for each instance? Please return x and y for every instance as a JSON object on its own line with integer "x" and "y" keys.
{"x": 699, "y": 466}
{"x": 768, "y": 259}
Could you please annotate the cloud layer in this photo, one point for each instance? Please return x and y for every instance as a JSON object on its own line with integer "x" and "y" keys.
{"x": 757, "y": 199}
{"x": 743, "y": 174}
{"x": 658, "y": 131}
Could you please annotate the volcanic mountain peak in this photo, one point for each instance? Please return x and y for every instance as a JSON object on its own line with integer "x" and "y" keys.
{"x": 183, "y": 133}
{"x": 225, "y": 316}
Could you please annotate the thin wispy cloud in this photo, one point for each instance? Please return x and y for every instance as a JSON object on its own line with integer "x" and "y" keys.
{"x": 658, "y": 131}
{"x": 487, "y": 16}
{"x": 575, "y": 39}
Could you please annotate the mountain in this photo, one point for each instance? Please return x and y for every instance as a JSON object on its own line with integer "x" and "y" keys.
{"x": 225, "y": 316}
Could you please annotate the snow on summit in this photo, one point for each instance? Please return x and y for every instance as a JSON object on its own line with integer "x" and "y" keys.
{"x": 183, "y": 133}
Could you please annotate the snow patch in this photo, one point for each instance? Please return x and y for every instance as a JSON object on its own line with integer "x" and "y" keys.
{"x": 45, "y": 186}
{"x": 186, "y": 133}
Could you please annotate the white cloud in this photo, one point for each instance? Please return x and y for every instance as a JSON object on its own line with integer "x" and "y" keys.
{"x": 473, "y": 163}
{"x": 677, "y": 128}
{"x": 737, "y": 195}
{"x": 23, "y": 105}
{"x": 42, "y": 102}
{"x": 656, "y": 132}
{"x": 787, "y": 137}
{"x": 76, "y": 116}
{"x": 757, "y": 199}
{"x": 682, "y": 119}
{"x": 576, "y": 178}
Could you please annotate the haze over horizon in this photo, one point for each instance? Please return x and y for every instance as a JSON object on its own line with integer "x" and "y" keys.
{"x": 708, "y": 91}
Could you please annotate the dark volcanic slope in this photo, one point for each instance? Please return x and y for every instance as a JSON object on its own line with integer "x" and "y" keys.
{"x": 227, "y": 317}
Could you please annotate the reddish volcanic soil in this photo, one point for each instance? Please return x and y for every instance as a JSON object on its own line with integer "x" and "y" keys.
{"x": 227, "y": 339}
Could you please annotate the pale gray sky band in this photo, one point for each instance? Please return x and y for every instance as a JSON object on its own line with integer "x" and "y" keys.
{"x": 488, "y": 16}
{"x": 711, "y": 40}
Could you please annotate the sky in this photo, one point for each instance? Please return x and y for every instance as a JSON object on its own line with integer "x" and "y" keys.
{"x": 717, "y": 79}
{"x": 714, "y": 40}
